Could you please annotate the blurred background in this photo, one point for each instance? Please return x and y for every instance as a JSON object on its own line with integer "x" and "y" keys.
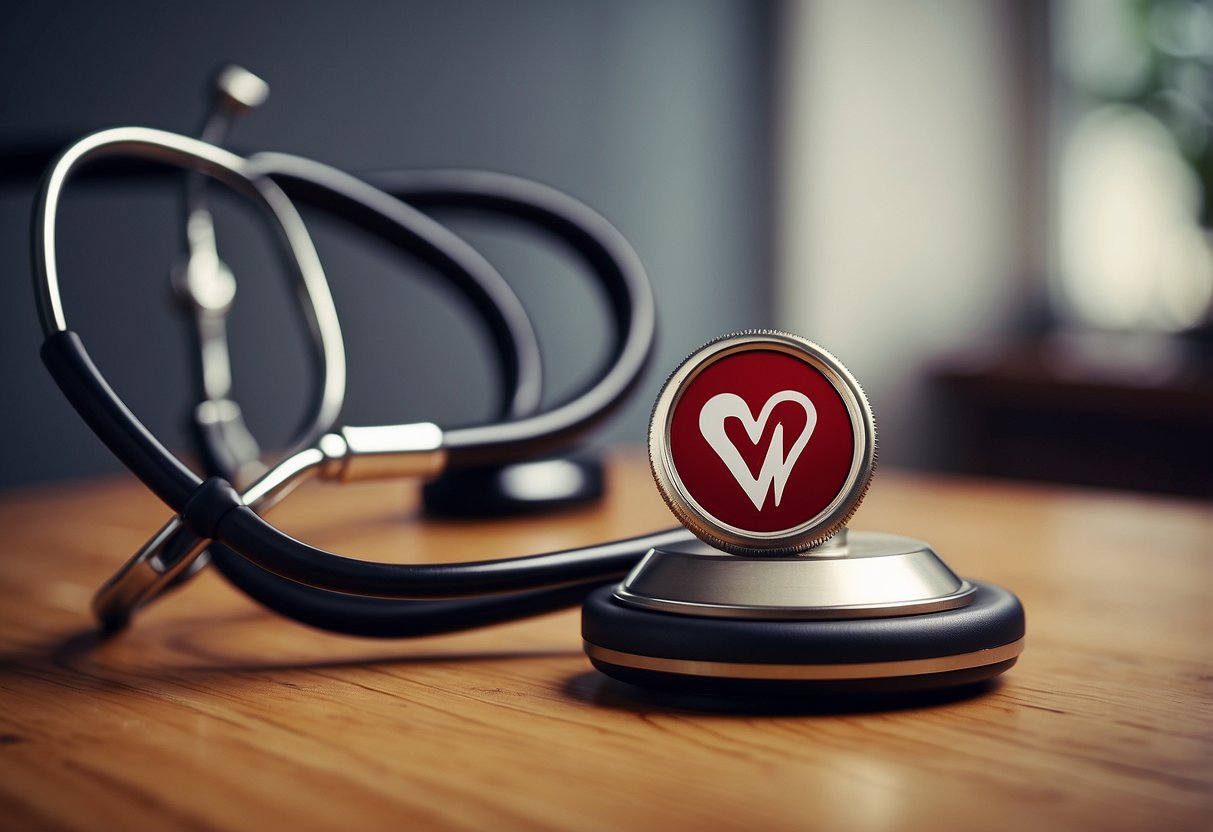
{"x": 996, "y": 213}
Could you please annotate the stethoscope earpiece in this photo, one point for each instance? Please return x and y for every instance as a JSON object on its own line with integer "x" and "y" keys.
{"x": 763, "y": 445}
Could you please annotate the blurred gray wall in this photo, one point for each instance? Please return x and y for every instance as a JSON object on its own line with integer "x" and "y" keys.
{"x": 912, "y": 184}
{"x": 655, "y": 113}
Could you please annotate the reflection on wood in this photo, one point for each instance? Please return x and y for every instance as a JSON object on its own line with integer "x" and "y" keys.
{"x": 212, "y": 713}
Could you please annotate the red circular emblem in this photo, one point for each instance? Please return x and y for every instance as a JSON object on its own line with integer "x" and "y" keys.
{"x": 764, "y": 443}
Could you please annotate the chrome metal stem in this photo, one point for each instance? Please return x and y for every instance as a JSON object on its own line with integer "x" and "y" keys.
{"x": 206, "y": 285}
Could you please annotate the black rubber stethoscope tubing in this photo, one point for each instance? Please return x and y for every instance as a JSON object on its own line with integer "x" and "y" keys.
{"x": 397, "y": 618}
{"x": 570, "y": 223}
{"x": 541, "y": 432}
{"x": 459, "y": 265}
{"x": 358, "y": 204}
{"x": 599, "y": 243}
{"x": 236, "y": 526}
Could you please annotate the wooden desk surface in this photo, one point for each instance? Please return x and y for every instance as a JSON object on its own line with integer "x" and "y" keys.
{"x": 211, "y": 713}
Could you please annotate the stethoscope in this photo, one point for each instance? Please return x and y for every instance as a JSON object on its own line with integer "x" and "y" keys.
{"x": 735, "y": 601}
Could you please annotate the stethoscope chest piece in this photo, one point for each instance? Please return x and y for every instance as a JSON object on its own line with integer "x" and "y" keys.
{"x": 763, "y": 445}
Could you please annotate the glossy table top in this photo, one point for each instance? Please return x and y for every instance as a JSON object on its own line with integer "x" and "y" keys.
{"x": 211, "y": 713}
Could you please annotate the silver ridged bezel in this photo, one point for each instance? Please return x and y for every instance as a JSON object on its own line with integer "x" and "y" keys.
{"x": 722, "y": 535}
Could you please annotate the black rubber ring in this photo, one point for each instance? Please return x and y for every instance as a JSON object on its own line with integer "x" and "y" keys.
{"x": 995, "y": 618}
{"x": 208, "y": 505}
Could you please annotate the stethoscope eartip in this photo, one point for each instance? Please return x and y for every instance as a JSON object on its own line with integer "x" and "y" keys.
{"x": 237, "y": 90}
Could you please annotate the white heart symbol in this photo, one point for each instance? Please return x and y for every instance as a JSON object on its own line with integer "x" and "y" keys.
{"x": 776, "y": 467}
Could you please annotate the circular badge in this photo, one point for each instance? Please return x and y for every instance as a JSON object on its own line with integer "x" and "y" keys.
{"x": 762, "y": 443}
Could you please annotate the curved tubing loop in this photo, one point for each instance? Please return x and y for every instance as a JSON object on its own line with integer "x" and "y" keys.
{"x": 604, "y": 249}
{"x": 314, "y": 602}
{"x": 359, "y": 204}
{"x": 514, "y": 343}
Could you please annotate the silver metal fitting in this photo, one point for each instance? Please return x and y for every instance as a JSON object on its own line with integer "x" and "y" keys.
{"x": 385, "y": 451}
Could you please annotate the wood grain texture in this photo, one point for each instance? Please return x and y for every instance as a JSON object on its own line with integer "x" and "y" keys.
{"x": 211, "y": 713}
